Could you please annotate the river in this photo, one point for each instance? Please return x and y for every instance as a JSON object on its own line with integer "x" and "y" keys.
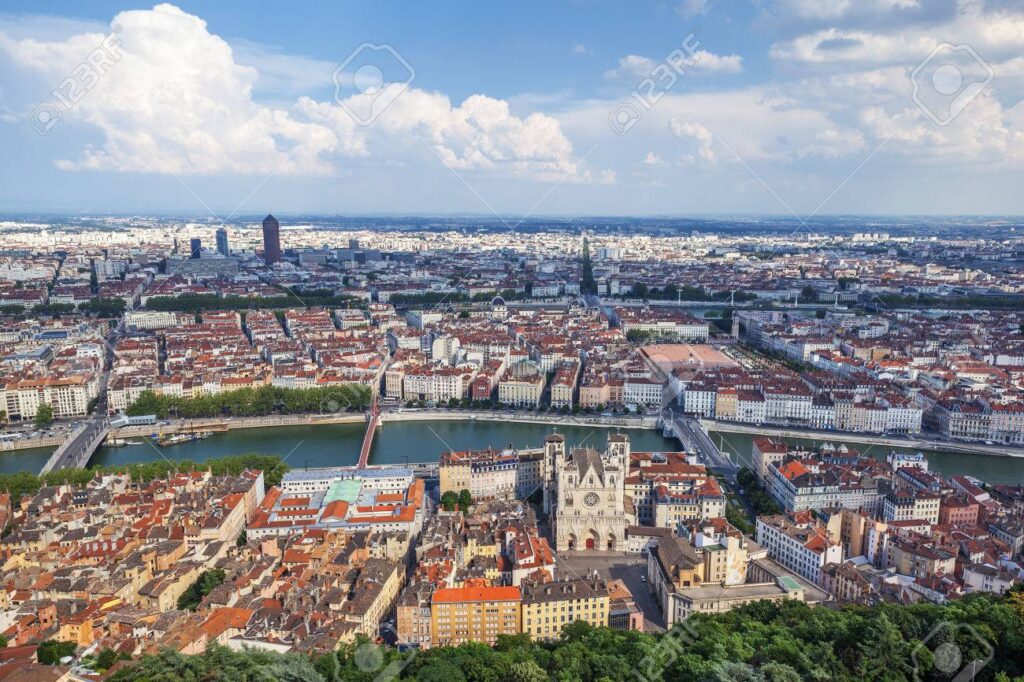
{"x": 989, "y": 468}
{"x": 400, "y": 442}
{"x": 395, "y": 443}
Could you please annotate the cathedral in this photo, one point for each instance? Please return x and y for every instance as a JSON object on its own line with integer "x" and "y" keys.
{"x": 585, "y": 497}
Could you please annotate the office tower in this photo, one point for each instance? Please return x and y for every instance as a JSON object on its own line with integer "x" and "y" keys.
{"x": 222, "y": 242}
{"x": 196, "y": 248}
{"x": 271, "y": 240}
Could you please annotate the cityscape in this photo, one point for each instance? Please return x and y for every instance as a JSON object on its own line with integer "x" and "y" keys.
{"x": 425, "y": 438}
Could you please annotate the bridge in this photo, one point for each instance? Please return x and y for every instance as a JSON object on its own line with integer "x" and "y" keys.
{"x": 75, "y": 452}
{"x": 371, "y": 430}
{"x": 693, "y": 437}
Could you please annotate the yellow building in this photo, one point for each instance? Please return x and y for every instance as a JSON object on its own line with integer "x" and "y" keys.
{"x": 454, "y": 472}
{"x": 548, "y": 607}
{"x": 473, "y": 614}
{"x": 725, "y": 404}
{"x": 479, "y": 543}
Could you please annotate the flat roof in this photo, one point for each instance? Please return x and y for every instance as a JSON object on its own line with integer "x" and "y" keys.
{"x": 346, "y": 489}
{"x": 346, "y": 473}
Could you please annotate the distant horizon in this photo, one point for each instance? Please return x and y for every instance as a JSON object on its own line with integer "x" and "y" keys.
{"x": 240, "y": 217}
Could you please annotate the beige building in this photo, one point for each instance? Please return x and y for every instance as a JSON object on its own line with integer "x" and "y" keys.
{"x": 373, "y": 595}
{"x": 522, "y": 386}
{"x": 563, "y": 385}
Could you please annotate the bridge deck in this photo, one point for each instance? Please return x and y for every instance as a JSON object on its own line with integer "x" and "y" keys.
{"x": 371, "y": 430}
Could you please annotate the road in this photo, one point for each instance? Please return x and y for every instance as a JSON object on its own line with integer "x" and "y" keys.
{"x": 693, "y": 435}
{"x": 73, "y": 452}
{"x": 76, "y": 451}
{"x": 627, "y": 567}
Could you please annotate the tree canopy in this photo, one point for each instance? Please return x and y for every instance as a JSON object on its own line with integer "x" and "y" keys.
{"x": 761, "y": 642}
{"x": 24, "y": 482}
{"x": 254, "y": 402}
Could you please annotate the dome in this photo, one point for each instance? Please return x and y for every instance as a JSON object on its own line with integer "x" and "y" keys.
{"x": 497, "y": 301}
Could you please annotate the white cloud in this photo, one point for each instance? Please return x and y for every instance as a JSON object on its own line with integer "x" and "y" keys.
{"x": 179, "y": 100}
{"x": 479, "y": 134}
{"x": 693, "y": 8}
{"x": 701, "y": 134}
{"x": 986, "y": 134}
{"x": 636, "y": 67}
{"x": 282, "y": 73}
{"x": 580, "y": 49}
{"x": 839, "y": 9}
{"x": 653, "y": 159}
{"x": 995, "y": 35}
{"x": 631, "y": 66}
{"x": 713, "y": 63}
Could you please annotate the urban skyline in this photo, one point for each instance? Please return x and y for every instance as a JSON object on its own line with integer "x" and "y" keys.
{"x": 565, "y": 341}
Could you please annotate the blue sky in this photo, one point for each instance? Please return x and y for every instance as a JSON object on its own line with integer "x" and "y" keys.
{"x": 781, "y": 106}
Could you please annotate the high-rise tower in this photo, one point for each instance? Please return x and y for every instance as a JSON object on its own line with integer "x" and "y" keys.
{"x": 222, "y": 242}
{"x": 271, "y": 240}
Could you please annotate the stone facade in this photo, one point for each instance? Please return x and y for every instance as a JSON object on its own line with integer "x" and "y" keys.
{"x": 590, "y": 508}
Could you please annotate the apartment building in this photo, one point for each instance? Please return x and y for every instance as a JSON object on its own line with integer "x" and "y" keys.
{"x": 68, "y": 396}
{"x": 474, "y": 614}
{"x": 915, "y": 505}
{"x": 801, "y": 548}
{"x": 486, "y": 474}
{"x": 549, "y": 606}
{"x": 563, "y": 385}
{"x": 437, "y": 384}
{"x": 522, "y": 385}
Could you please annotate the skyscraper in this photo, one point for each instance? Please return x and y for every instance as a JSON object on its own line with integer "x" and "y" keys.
{"x": 271, "y": 240}
{"x": 222, "y": 242}
{"x": 196, "y": 248}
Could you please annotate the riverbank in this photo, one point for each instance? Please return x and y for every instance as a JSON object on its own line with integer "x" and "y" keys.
{"x": 913, "y": 443}
{"x": 31, "y": 443}
{"x": 622, "y": 421}
{"x": 229, "y": 424}
{"x": 397, "y": 416}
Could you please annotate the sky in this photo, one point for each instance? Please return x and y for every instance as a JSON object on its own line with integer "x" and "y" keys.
{"x": 580, "y": 107}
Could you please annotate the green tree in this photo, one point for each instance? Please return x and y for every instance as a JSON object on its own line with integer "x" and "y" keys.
{"x": 106, "y": 658}
{"x": 205, "y": 584}
{"x": 44, "y": 415}
{"x": 884, "y": 654}
{"x": 51, "y": 651}
{"x": 450, "y": 500}
{"x": 526, "y": 671}
{"x": 465, "y": 500}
